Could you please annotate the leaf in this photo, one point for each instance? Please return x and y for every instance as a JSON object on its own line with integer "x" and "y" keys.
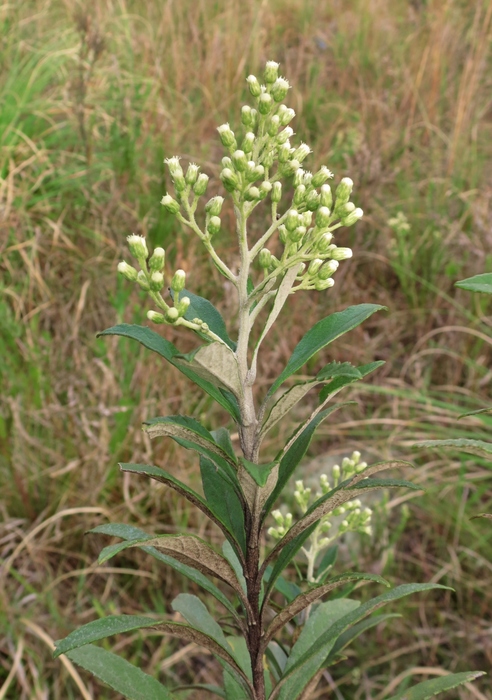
{"x": 223, "y": 438}
{"x": 217, "y": 364}
{"x": 478, "y": 283}
{"x": 255, "y": 495}
{"x": 100, "y": 629}
{"x": 293, "y": 395}
{"x": 195, "y": 612}
{"x": 231, "y": 557}
{"x": 339, "y": 382}
{"x": 208, "y": 687}
{"x": 204, "y": 309}
{"x": 476, "y": 413}
{"x": 294, "y": 454}
{"x": 119, "y": 674}
{"x": 285, "y": 555}
{"x": 323, "y": 333}
{"x": 296, "y": 676}
{"x": 153, "y": 341}
{"x": 189, "y": 550}
{"x": 288, "y": 589}
{"x": 355, "y": 631}
{"x": 311, "y": 596}
{"x": 327, "y": 561}
{"x": 283, "y": 291}
{"x": 233, "y": 690}
{"x": 474, "y": 447}
{"x": 434, "y": 686}
{"x": 482, "y": 515}
{"x": 223, "y": 501}
{"x": 192, "y": 496}
{"x": 130, "y": 532}
{"x": 259, "y": 472}
{"x": 189, "y": 433}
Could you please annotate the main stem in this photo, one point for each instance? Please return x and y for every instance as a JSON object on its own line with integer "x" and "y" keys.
{"x": 247, "y": 433}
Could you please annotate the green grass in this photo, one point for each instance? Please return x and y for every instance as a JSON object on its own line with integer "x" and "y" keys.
{"x": 394, "y": 94}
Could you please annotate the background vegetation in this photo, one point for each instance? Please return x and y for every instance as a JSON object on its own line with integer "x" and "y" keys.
{"x": 93, "y": 96}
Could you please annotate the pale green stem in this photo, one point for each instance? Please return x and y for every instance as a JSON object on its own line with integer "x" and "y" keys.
{"x": 219, "y": 263}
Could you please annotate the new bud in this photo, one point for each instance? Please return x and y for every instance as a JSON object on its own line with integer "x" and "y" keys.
{"x": 213, "y": 226}
{"x": 291, "y": 167}
{"x": 271, "y": 72}
{"x": 322, "y": 217}
{"x": 286, "y": 115}
{"x": 265, "y": 103}
{"x": 182, "y": 305}
{"x": 277, "y": 192}
{"x": 214, "y": 206}
{"x": 156, "y": 281}
{"x": 252, "y": 194}
{"x": 299, "y": 194}
{"x": 344, "y": 191}
{"x": 229, "y": 179}
{"x": 302, "y": 152}
{"x": 265, "y": 258}
{"x": 292, "y": 220}
{"x": 298, "y": 178}
{"x": 280, "y": 88}
{"x": 226, "y": 162}
{"x": 326, "y": 196}
{"x": 192, "y": 174}
{"x": 138, "y": 248}
{"x": 341, "y": 254}
{"x": 321, "y": 176}
{"x": 346, "y": 209}
{"x": 265, "y": 188}
{"x": 284, "y": 152}
{"x": 178, "y": 281}
{"x": 314, "y": 266}
{"x": 298, "y": 234}
{"x": 285, "y": 135}
{"x": 321, "y": 285}
{"x": 143, "y": 281}
{"x": 254, "y": 85}
{"x": 240, "y": 161}
{"x": 227, "y": 136}
{"x": 283, "y": 234}
{"x": 268, "y": 159}
{"x": 307, "y": 217}
{"x": 248, "y": 142}
{"x": 200, "y": 186}
{"x": 174, "y": 167}
{"x": 247, "y": 117}
{"x": 172, "y": 315}
{"x": 328, "y": 269}
{"x": 312, "y": 200}
{"x": 127, "y": 271}
{"x": 273, "y": 125}
{"x": 353, "y": 217}
{"x": 156, "y": 262}
{"x": 324, "y": 242}
{"x": 307, "y": 179}
{"x": 156, "y": 317}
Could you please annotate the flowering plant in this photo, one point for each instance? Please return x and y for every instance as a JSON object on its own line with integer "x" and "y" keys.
{"x": 296, "y": 252}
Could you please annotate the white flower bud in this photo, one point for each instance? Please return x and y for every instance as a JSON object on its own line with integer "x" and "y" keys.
{"x": 214, "y": 206}
{"x": 227, "y": 136}
{"x": 344, "y": 191}
{"x": 178, "y": 281}
{"x": 280, "y": 88}
{"x": 138, "y": 248}
{"x": 200, "y": 186}
{"x": 328, "y": 270}
{"x": 312, "y": 200}
{"x": 240, "y": 161}
{"x": 299, "y": 195}
{"x": 336, "y": 471}
{"x": 156, "y": 262}
{"x": 326, "y": 196}
{"x": 247, "y": 116}
{"x": 248, "y": 142}
{"x": 127, "y": 271}
{"x": 290, "y": 167}
{"x": 302, "y": 152}
{"x": 143, "y": 281}
{"x": 265, "y": 103}
{"x": 322, "y": 217}
{"x": 276, "y": 192}
{"x": 172, "y": 315}
{"x": 191, "y": 174}
{"x": 324, "y": 242}
{"x": 252, "y": 194}
{"x": 265, "y": 258}
{"x": 213, "y": 226}
{"x": 271, "y": 72}
{"x": 174, "y": 167}
{"x": 254, "y": 85}
{"x": 292, "y": 220}
{"x": 353, "y": 217}
{"x": 284, "y": 152}
{"x": 320, "y": 285}
{"x": 265, "y": 188}
{"x": 273, "y": 125}
{"x": 170, "y": 204}
{"x": 229, "y": 179}
{"x": 156, "y": 317}
{"x": 321, "y": 176}
{"x": 307, "y": 218}
{"x": 314, "y": 266}
{"x": 285, "y": 135}
{"x": 182, "y": 305}
{"x": 278, "y": 517}
{"x": 286, "y": 115}
{"x": 341, "y": 254}
{"x": 156, "y": 281}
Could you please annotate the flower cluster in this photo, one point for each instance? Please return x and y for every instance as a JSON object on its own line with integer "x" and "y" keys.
{"x": 351, "y": 517}
{"x": 151, "y": 278}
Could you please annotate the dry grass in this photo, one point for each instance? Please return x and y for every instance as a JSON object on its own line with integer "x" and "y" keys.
{"x": 396, "y": 94}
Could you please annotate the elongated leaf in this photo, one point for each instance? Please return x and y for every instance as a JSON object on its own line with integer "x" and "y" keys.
{"x": 255, "y": 495}
{"x": 153, "y": 341}
{"x": 482, "y": 515}
{"x": 296, "y": 676}
{"x": 189, "y": 550}
{"x": 259, "y": 472}
{"x": 294, "y": 454}
{"x": 192, "y": 496}
{"x": 223, "y": 439}
{"x": 323, "y": 333}
{"x": 217, "y": 364}
{"x": 476, "y": 413}
{"x": 224, "y": 502}
{"x": 207, "y": 687}
{"x": 428, "y": 689}
{"x": 311, "y": 596}
{"x": 288, "y": 589}
{"x": 100, "y": 629}
{"x": 474, "y": 447}
{"x": 130, "y": 532}
{"x": 478, "y": 283}
{"x": 285, "y": 556}
{"x": 337, "y": 497}
{"x": 204, "y": 309}
{"x": 353, "y": 632}
{"x": 119, "y": 674}
{"x": 281, "y": 297}
{"x": 233, "y": 560}
{"x": 195, "y": 612}
{"x": 241, "y": 654}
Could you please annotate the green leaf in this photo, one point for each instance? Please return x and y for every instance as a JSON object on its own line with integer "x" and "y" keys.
{"x": 259, "y": 472}
{"x": 119, "y": 674}
{"x": 474, "y": 447}
{"x": 296, "y": 676}
{"x": 327, "y": 561}
{"x": 323, "y": 333}
{"x": 129, "y": 532}
{"x": 341, "y": 381}
{"x": 355, "y": 631}
{"x": 207, "y": 687}
{"x": 294, "y": 454}
{"x": 478, "y": 283}
{"x": 288, "y": 589}
{"x": 217, "y": 364}
{"x": 204, "y": 309}
{"x": 223, "y": 500}
{"x": 223, "y": 438}
{"x": 153, "y": 341}
{"x": 189, "y": 433}
{"x": 216, "y": 515}
{"x": 302, "y": 601}
{"x": 100, "y": 629}
{"x": 195, "y": 612}
{"x": 233, "y": 560}
{"x": 338, "y": 369}
{"x": 427, "y": 689}
{"x": 189, "y": 550}
{"x": 476, "y": 413}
